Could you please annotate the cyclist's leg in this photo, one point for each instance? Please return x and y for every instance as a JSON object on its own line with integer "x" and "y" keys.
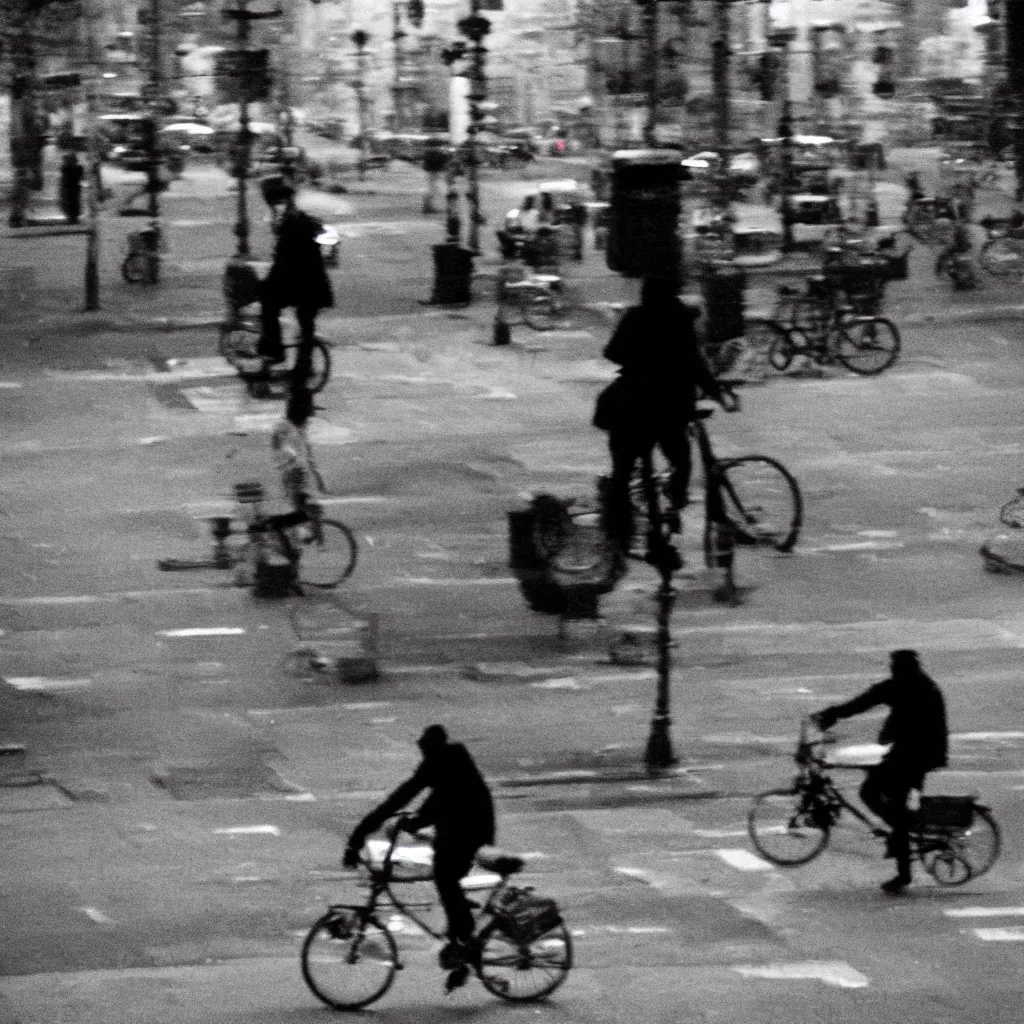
{"x": 625, "y": 448}
{"x": 281, "y": 524}
{"x": 674, "y": 442}
{"x": 271, "y": 347}
{"x": 452, "y": 862}
{"x": 885, "y": 791}
{"x": 306, "y": 317}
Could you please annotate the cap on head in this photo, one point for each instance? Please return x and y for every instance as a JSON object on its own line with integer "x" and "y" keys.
{"x": 904, "y": 660}
{"x": 276, "y": 190}
{"x": 434, "y": 737}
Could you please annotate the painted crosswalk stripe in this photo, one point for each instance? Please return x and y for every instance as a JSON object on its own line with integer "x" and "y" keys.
{"x": 37, "y": 683}
{"x": 744, "y": 860}
{"x": 204, "y": 631}
{"x": 1015, "y": 934}
{"x": 985, "y": 912}
{"x": 249, "y": 830}
{"x": 827, "y": 972}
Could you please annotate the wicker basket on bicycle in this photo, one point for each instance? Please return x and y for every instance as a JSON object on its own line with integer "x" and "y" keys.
{"x": 240, "y": 284}
{"x": 944, "y": 815}
{"x": 525, "y": 916}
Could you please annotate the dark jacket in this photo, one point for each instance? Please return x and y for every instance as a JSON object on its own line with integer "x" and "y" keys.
{"x": 297, "y": 276}
{"x": 916, "y": 726}
{"x": 459, "y": 805}
{"x": 662, "y": 366}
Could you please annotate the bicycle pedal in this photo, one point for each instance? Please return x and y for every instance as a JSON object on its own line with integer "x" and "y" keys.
{"x": 456, "y": 979}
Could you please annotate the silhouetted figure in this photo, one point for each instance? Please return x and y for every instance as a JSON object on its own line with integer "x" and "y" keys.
{"x": 297, "y": 278}
{"x": 919, "y": 737}
{"x": 654, "y": 396}
{"x": 70, "y": 187}
{"x": 460, "y": 809}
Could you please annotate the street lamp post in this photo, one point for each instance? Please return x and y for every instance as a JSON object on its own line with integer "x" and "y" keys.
{"x": 359, "y": 40}
{"x": 154, "y": 160}
{"x": 650, "y": 127}
{"x": 779, "y": 39}
{"x": 475, "y": 29}
{"x": 246, "y": 86}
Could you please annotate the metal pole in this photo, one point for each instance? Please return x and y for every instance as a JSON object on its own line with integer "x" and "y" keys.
{"x": 397, "y": 35}
{"x": 780, "y": 40}
{"x": 243, "y": 147}
{"x": 477, "y": 95}
{"x": 359, "y": 40}
{"x": 720, "y": 73}
{"x": 155, "y": 159}
{"x": 659, "y": 754}
{"x": 650, "y": 133}
{"x": 92, "y": 239}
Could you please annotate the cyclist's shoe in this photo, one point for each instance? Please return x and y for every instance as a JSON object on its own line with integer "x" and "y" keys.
{"x": 455, "y": 954}
{"x": 456, "y": 979}
{"x": 896, "y": 885}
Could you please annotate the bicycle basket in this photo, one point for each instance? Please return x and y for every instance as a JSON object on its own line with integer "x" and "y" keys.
{"x": 945, "y": 812}
{"x": 526, "y": 917}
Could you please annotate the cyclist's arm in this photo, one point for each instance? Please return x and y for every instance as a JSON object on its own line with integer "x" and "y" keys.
{"x": 406, "y": 792}
{"x": 870, "y": 698}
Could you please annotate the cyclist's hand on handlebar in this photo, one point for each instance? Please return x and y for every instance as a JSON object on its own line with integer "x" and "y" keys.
{"x": 351, "y": 858}
{"x": 729, "y": 400}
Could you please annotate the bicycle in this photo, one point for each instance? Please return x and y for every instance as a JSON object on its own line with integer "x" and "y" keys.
{"x": 141, "y": 264}
{"x": 931, "y": 219}
{"x": 1008, "y": 559}
{"x": 1002, "y": 254}
{"x": 522, "y": 950}
{"x": 239, "y": 343}
{"x": 748, "y": 500}
{"x": 322, "y": 554}
{"x": 954, "y": 837}
{"x": 536, "y": 300}
{"x": 864, "y": 343}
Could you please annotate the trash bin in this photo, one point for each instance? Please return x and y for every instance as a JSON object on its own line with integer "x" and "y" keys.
{"x": 453, "y": 275}
{"x": 722, "y": 287}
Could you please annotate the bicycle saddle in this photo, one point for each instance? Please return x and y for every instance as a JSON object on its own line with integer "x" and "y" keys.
{"x": 503, "y": 864}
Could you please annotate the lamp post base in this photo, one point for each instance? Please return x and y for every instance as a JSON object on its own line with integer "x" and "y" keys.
{"x": 659, "y": 755}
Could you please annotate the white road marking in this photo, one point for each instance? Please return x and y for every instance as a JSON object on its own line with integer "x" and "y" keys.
{"x": 639, "y": 873}
{"x": 248, "y": 830}
{"x": 117, "y": 595}
{"x": 367, "y": 705}
{"x": 618, "y": 929}
{"x": 300, "y": 798}
{"x": 188, "y": 369}
{"x": 568, "y": 683}
{"x": 720, "y": 833}
{"x": 828, "y": 972}
{"x": 10, "y": 385}
{"x": 96, "y": 915}
{"x": 744, "y": 860}
{"x": 430, "y": 581}
{"x": 204, "y": 631}
{"x": 38, "y": 683}
{"x": 860, "y": 545}
{"x": 983, "y": 737}
{"x": 1000, "y": 934}
{"x": 985, "y": 912}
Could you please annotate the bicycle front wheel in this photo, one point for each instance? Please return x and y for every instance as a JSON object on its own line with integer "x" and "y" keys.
{"x": 786, "y": 828}
{"x": 319, "y": 367}
{"x": 540, "y": 310}
{"x": 328, "y": 555}
{"x": 522, "y": 971}
{"x": 1001, "y": 256}
{"x": 763, "y": 339}
{"x": 869, "y": 346}
{"x": 349, "y": 960}
{"x": 761, "y": 500}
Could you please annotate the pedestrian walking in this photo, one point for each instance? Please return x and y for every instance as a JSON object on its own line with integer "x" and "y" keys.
{"x": 653, "y": 400}
{"x": 918, "y": 735}
{"x": 297, "y": 279}
{"x": 71, "y": 174}
{"x": 461, "y": 811}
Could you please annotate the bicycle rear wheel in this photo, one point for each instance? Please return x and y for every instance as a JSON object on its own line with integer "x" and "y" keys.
{"x": 764, "y": 339}
{"x": 348, "y": 959}
{"x": 522, "y": 971}
{"x": 239, "y": 344}
{"x": 1002, "y": 256}
{"x": 868, "y": 346}
{"x": 979, "y": 844}
{"x": 787, "y": 828}
{"x": 328, "y": 555}
{"x": 761, "y": 499}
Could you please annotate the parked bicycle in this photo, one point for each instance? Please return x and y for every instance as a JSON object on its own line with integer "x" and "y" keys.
{"x": 322, "y": 552}
{"x": 537, "y": 300}
{"x": 824, "y": 333}
{"x": 1002, "y": 253}
{"x": 748, "y": 500}
{"x": 954, "y": 837}
{"x": 931, "y": 219}
{"x": 522, "y": 950}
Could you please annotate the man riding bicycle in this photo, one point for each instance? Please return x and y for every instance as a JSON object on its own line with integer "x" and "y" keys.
{"x": 462, "y": 812}
{"x": 918, "y": 736}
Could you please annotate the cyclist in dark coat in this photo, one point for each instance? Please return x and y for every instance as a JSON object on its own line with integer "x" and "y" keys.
{"x": 297, "y": 278}
{"x": 919, "y": 736}
{"x": 462, "y": 812}
{"x": 662, "y": 371}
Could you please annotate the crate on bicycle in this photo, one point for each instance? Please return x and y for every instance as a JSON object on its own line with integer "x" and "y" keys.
{"x": 526, "y": 916}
